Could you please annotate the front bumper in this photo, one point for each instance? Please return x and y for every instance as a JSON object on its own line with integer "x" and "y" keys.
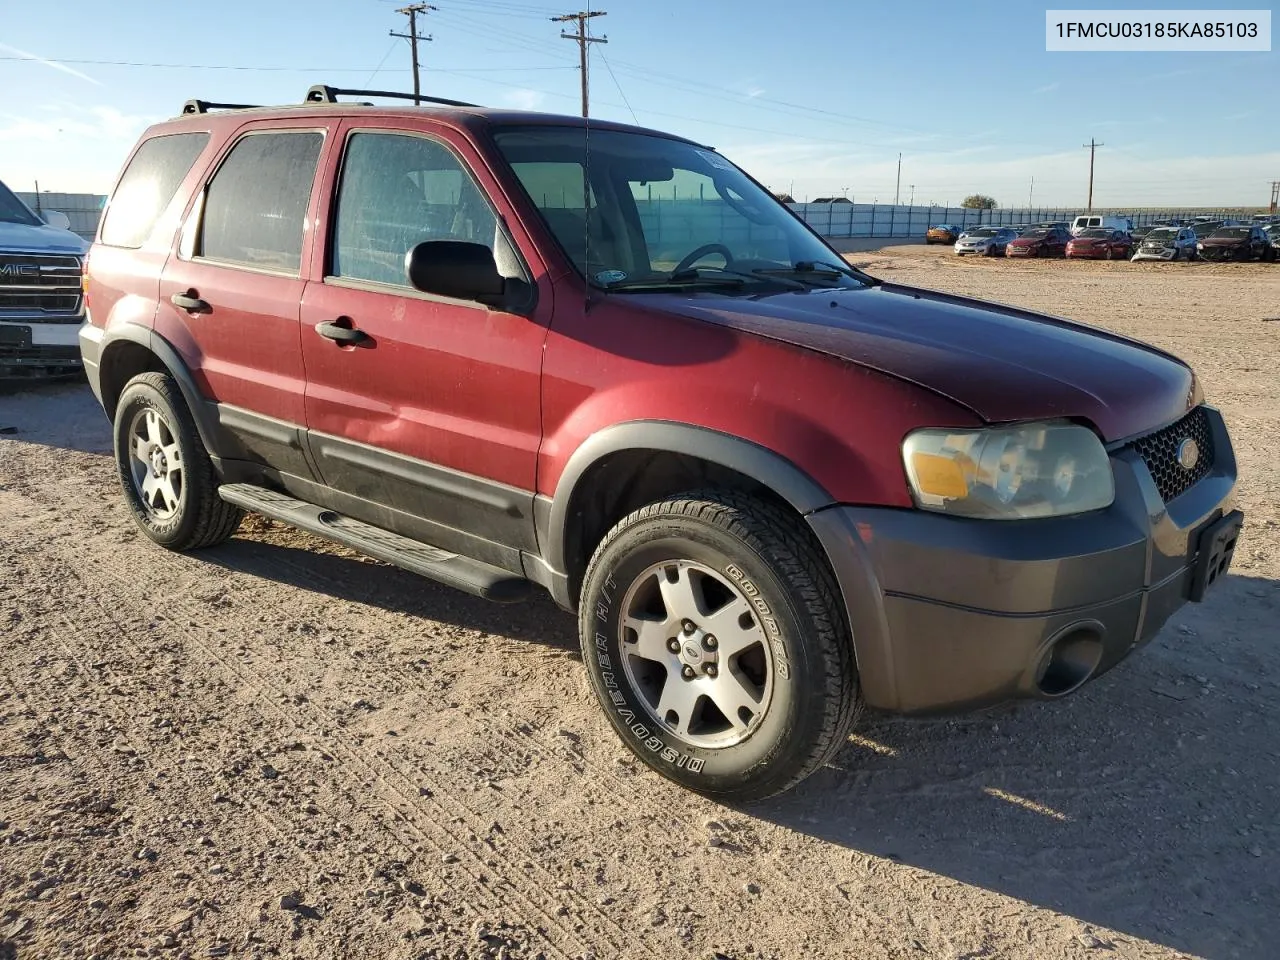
{"x": 1167, "y": 253}
{"x": 950, "y": 613}
{"x": 34, "y": 348}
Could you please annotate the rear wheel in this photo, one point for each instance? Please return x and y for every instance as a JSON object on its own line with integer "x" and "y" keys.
{"x": 168, "y": 480}
{"x": 715, "y": 639}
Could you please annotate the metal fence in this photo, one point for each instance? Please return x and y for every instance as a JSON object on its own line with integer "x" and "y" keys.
{"x": 839, "y": 220}
{"x": 82, "y": 209}
{"x": 677, "y": 221}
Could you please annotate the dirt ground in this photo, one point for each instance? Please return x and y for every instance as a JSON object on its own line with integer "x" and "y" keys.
{"x": 278, "y": 748}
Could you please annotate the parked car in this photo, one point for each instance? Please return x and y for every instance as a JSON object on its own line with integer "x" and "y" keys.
{"x": 1138, "y": 233}
{"x": 388, "y": 326}
{"x": 1100, "y": 244}
{"x": 942, "y": 233}
{"x": 1167, "y": 243}
{"x": 1273, "y": 237}
{"x": 41, "y": 307}
{"x": 984, "y": 241}
{"x": 1099, "y": 222}
{"x": 1039, "y": 242}
{"x": 1236, "y": 243}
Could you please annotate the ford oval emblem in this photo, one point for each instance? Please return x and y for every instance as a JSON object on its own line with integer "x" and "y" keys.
{"x": 1188, "y": 454}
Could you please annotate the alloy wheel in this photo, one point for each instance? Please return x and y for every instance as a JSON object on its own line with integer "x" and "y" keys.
{"x": 155, "y": 463}
{"x": 696, "y": 654}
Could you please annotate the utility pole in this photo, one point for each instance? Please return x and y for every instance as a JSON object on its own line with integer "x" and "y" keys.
{"x": 1031, "y": 193}
{"x": 583, "y": 37}
{"x": 898, "y": 189}
{"x": 1092, "y": 148}
{"x": 413, "y": 37}
{"x": 912, "y": 201}
{"x": 1275, "y": 195}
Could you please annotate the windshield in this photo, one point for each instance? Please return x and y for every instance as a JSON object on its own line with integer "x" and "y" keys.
{"x": 1097, "y": 233}
{"x": 1232, "y": 233}
{"x": 1037, "y": 234}
{"x": 1164, "y": 233}
{"x": 982, "y": 232}
{"x": 13, "y": 210}
{"x": 661, "y": 213}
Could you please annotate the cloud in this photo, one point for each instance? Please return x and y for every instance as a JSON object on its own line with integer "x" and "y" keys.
{"x": 67, "y": 146}
{"x": 754, "y": 92}
{"x": 49, "y": 63}
{"x": 523, "y": 99}
{"x": 1047, "y": 88}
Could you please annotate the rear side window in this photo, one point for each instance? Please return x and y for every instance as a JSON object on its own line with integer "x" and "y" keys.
{"x": 255, "y": 204}
{"x": 147, "y": 186}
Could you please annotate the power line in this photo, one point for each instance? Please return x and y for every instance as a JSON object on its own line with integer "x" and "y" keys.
{"x": 619, "y": 86}
{"x": 275, "y": 69}
{"x": 413, "y": 37}
{"x": 583, "y": 37}
{"x": 378, "y": 68}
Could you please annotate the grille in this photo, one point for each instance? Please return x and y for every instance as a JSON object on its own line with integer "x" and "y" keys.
{"x": 44, "y": 287}
{"x": 1159, "y": 451}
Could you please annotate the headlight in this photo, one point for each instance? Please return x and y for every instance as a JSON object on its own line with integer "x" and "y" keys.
{"x": 1199, "y": 246}
{"x": 1009, "y": 473}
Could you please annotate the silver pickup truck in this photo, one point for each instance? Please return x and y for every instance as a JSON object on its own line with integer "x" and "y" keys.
{"x": 41, "y": 302}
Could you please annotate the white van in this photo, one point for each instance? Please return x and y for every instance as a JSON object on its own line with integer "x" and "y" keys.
{"x": 1089, "y": 221}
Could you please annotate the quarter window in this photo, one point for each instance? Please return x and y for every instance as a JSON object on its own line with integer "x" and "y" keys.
{"x": 398, "y": 191}
{"x": 148, "y": 184}
{"x": 257, "y": 201}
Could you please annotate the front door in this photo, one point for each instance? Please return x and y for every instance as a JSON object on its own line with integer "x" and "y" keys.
{"x": 229, "y": 298}
{"x": 436, "y": 415}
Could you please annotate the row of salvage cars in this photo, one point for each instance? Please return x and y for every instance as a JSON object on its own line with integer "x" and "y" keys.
{"x": 1219, "y": 240}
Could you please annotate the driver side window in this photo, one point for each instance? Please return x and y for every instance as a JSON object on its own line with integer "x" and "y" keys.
{"x": 398, "y": 191}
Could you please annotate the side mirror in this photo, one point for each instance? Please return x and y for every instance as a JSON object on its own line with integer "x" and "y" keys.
{"x": 453, "y": 268}
{"x": 59, "y": 221}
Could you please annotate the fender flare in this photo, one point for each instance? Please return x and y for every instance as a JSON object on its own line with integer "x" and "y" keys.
{"x": 780, "y": 475}
{"x": 202, "y": 412}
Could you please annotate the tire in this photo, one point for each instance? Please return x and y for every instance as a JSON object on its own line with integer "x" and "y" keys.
{"x": 177, "y": 508}
{"x": 723, "y": 551}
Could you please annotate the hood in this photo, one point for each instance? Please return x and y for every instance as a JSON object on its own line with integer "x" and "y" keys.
{"x": 1225, "y": 241}
{"x": 1027, "y": 241}
{"x": 22, "y": 238}
{"x": 1002, "y": 363}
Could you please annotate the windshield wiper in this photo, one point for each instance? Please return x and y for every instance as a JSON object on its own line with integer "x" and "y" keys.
{"x": 695, "y": 276}
{"x": 815, "y": 269}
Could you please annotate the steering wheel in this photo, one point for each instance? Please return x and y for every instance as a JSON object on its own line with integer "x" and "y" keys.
{"x": 705, "y": 250}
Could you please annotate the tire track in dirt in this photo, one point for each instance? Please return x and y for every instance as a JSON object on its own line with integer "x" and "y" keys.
{"x": 400, "y": 795}
{"x": 824, "y": 906}
{"x": 82, "y": 751}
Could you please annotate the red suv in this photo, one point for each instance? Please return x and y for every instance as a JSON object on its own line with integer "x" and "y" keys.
{"x": 508, "y": 350}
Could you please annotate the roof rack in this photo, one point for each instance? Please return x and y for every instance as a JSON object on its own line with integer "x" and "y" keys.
{"x": 322, "y": 93}
{"x": 204, "y": 106}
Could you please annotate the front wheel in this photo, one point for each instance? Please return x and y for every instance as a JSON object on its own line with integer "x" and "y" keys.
{"x": 714, "y": 637}
{"x": 168, "y": 480}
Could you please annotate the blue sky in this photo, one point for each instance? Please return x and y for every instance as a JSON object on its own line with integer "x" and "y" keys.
{"x": 824, "y": 100}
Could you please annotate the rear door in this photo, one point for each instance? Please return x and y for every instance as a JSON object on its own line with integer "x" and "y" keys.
{"x": 431, "y": 425}
{"x": 229, "y": 298}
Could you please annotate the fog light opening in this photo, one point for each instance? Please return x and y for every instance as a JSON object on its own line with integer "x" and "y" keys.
{"x": 1069, "y": 662}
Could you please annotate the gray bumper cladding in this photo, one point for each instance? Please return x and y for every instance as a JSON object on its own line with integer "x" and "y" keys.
{"x": 950, "y": 613}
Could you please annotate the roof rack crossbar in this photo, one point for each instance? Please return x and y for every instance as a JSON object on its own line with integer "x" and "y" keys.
{"x": 322, "y": 93}
{"x": 204, "y": 106}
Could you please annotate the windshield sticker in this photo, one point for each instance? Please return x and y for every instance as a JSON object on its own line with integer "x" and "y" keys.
{"x": 717, "y": 161}
{"x": 610, "y": 276}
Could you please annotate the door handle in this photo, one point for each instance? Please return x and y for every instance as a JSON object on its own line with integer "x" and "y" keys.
{"x": 341, "y": 332}
{"x": 190, "y": 302}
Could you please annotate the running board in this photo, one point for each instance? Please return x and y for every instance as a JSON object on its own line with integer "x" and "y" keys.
{"x": 472, "y": 576}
